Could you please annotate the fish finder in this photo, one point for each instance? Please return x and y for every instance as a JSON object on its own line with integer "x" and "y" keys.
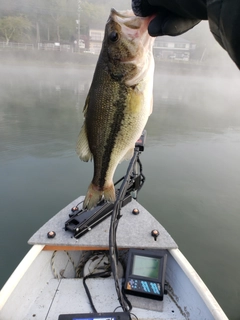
{"x": 145, "y": 273}
{"x": 95, "y": 316}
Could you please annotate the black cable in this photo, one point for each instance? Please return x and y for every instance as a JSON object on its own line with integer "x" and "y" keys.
{"x": 113, "y": 252}
{"x": 94, "y": 275}
{"x": 143, "y": 178}
{"x": 134, "y": 315}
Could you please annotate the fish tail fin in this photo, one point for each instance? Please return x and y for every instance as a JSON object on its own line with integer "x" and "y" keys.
{"x": 109, "y": 193}
{"x": 94, "y": 195}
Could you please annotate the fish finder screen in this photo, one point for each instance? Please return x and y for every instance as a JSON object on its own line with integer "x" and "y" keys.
{"x": 96, "y": 318}
{"x": 146, "y": 266}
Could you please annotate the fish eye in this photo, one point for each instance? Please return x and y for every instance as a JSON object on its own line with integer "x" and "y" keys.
{"x": 113, "y": 36}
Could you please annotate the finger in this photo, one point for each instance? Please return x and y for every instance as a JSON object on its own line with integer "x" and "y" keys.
{"x": 142, "y": 8}
{"x": 170, "y": 24}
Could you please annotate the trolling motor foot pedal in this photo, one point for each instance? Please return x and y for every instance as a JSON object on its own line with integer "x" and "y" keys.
{"x": 82, "y": 221}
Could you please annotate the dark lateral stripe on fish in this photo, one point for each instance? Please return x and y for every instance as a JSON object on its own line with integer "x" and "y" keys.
{"x": 117, "y": 120}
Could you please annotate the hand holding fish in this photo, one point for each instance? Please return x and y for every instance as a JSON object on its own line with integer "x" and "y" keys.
{"x": 176, "y": 17}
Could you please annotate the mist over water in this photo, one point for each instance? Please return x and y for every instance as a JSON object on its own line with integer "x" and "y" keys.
{"x": 191, "y": 162}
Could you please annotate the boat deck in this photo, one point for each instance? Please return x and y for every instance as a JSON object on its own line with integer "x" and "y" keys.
{"x": 69, "y": 296}
{"x": 49, "y": 287}
{"x": 130, "y": 231}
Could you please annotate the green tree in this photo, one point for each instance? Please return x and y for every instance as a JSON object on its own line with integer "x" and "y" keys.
{"x": 63, "y": 19}
{"x": 14, "y": 28}
{"x": 54, "y": 20}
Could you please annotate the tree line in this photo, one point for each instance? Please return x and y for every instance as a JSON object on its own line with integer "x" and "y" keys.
{"x": 53, "y": 20}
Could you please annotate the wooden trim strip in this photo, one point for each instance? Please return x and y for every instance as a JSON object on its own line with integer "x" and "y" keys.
{"x": 72, "y": 248}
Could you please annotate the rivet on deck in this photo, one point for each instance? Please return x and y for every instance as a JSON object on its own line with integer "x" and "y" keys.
{"x": 135, "y": 211}
{"x": 155, "y": 234}
{"x": 51, "y": 234}
{"x": 74, "y": 209}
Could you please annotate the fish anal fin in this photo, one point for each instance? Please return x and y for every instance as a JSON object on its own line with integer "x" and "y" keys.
{"x": 82, "y": 148}
{"x": 109, "y": 193}
{"x": 92, "y": 197}
{"x": 128, "y": 155}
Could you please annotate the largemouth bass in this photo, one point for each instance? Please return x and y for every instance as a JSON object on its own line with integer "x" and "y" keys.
{"x": 119, "y": 101}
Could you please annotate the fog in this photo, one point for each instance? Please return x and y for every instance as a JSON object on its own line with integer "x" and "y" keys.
{"x": 202, "y": 101}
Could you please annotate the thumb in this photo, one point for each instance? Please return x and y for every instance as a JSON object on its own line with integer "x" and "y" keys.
{"x": 166, "y": 23}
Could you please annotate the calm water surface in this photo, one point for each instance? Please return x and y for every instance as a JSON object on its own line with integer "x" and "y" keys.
{"x": 191, "y": 162}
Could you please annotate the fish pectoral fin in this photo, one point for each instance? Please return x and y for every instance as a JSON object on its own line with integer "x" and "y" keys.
{"x": 128, "y": 155}
{"x": 82, "y": 149}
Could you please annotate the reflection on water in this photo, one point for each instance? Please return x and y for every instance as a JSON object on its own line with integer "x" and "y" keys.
{"x": 43, "y": 110}
{"x": 191, "y": 162}
{"x": 189, "y": 105}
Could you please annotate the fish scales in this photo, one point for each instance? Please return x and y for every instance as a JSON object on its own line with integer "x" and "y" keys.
{"x": 111, "y": 119}
{"x": 118, "y": 103}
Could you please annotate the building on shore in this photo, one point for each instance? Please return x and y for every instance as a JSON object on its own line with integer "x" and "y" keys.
{"x": 167, "y": 48}
{"x": 173, "y": 48}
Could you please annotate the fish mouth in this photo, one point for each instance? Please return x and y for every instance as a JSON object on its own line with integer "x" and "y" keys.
{"x": 126, "y": 18}
{"x": 122, "y": 14}
{"x": 129, "y": 19}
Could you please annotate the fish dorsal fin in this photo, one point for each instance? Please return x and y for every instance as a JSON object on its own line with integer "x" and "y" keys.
{"x": 82, "y": 149}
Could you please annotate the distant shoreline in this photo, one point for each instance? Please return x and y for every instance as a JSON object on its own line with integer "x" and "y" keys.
{"x": 47, "y": 58}
{"x": 56, "y": 59}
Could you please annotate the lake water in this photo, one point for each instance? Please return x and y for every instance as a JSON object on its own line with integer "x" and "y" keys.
{"x": 191, "y": 162}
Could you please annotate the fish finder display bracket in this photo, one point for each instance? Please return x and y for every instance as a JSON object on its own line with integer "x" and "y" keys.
{"x": 145, "y": 274}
